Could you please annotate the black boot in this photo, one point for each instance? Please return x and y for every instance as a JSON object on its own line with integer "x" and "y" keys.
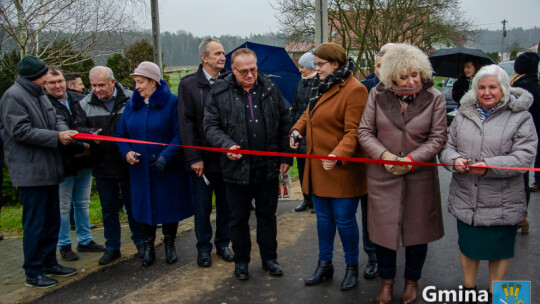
{"x": 169, "y": 231}
{"x": 149, "y": 236}
{"x": 468, "y": 299}
{"x": 306, "y": 204}
{"x": 351, "y": 277}
{"x": 325, "y": 270}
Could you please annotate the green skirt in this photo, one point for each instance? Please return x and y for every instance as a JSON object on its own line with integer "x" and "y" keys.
{"x": 486, "y": 243}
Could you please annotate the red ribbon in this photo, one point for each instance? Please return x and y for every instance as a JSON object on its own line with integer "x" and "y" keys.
{"x": 283, "y": 154}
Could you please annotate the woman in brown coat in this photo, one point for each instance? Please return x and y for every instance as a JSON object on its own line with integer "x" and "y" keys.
{"x": 405, "y": 120}
{"x": 329, "y": 128}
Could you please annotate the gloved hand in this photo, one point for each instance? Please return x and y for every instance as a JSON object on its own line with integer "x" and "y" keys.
{"x": 401, "y": 170}
{"x": 388, "y": 156}
{"x": 159, "y": 164}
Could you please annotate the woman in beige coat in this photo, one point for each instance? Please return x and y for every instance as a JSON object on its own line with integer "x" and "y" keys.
{"x": 329, "y": 128}
{"x": 405, "y": 120}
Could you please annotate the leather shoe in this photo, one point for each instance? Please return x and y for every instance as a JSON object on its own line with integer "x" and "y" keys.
{"x": 225, "y": 253}
{"x": 109, "y": 256}
{"x": 410, "y": 293}
{"x": 241, "y": 271}
{"x": 385, "y": 293}
{"x": 90, "y": 247}
{"x": 273, "y": 267}
{"x": 204, "y": 259}
{"x": 59, "y": 271}
{"x": 351, "y": 277}
{"x": 140, "y": 251}
{"x": 304, "y": 206}
{"x": 324, "y": 270}
{"x": 372, "y": 270}
{"x": 40, "y": 281}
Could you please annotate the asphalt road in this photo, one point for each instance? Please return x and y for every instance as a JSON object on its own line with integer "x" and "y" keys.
{"x": 185, "y": 282}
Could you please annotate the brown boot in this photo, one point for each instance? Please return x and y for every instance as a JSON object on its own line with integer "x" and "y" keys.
{"x": 410, "y": 292}
{"x": 385, "y": 293}
{"x": 524, "y": 226}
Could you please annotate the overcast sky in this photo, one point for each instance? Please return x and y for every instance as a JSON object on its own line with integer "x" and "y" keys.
{"x": 244, "y": 17}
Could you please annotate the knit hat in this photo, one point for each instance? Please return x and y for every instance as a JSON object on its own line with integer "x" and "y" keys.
{"x": 30, "y": 67}
{"x": 307, "y": 60}
{"x": 148, "y": 69}
{"x": 526, "y": 63}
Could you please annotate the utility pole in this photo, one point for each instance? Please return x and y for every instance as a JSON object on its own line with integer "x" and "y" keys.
{"x": 321, "y": 21}
{"x": 503, "y": 35}
{"x": 155, "y": 34}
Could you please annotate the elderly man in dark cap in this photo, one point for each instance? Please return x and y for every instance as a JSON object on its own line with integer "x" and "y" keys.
{"x": 32, "y": 133}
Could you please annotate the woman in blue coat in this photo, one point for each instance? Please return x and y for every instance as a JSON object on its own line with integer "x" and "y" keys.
{"x": 160, "y": 188}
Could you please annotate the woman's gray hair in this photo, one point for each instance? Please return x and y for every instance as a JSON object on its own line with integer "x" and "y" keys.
{"x": 401, "y": 58}
{"x": 203, "y": 47}
{"x": 492, "y": 70}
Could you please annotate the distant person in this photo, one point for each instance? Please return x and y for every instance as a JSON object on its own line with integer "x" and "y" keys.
{"x": 489, "y": 203}
{"x": 329, "y": 128}
{"x": 205, "y": 168}
{"x": 372, "y": 79}
{"x": 75, "y": 85}
{"x": 160, "y": 188}
{"x": 32, "y": 134}
{"x": 75, "y": 189}
{"x": 526, "y": 77}
{"x": 301, "y": 100}
{"x": 404, "y": 120}
{"x": 99, "y": 113}
{"x": 245, "y": 110}
{"x": 469, "y": 67}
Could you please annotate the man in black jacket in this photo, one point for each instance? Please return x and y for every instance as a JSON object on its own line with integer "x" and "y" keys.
{"x": 100, "y": 112}
{"x": 206, "y": 172}
{"x": 75, "y": 189}
{"x": 245, "y": 110}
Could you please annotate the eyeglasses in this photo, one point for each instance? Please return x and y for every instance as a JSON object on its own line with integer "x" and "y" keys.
{"x": 320, "y": 64}
{"x": 245, "y": 72}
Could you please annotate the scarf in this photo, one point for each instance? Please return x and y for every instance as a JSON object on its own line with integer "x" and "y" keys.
{"x": 484, "y": 113}
{"x": 339, "y": 76}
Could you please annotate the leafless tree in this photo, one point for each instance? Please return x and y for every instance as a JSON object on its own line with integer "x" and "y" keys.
{"x": 84, "y": 26}
{"x": 363, "y": 26}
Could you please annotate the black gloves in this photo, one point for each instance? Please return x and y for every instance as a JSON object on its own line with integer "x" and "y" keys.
{"x": 159, "y": 164}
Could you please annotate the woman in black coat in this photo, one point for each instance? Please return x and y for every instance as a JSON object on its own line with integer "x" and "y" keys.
{"x": 301, "y": 99}
{"x": 526, "y": 77}
{"x": 469, "y": 68}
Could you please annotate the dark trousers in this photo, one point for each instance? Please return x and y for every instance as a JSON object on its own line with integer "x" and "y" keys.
{"x": 169, "y": 231}
{"x": 111, "y": 203}
{"x": 301, "y": 164}
{"x": 203, "y": 208}
{"x": 369, "y": 246}
{"x": 41, "y": 223}
{"x": 415, "y": 256}
{"x": 239, "y": 198}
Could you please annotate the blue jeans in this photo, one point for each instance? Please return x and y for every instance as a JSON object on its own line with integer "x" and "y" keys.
{"x": 203, "y": 208}
{"x": 75, "y": 189}
{"x": 111, "y": 203}
{"x": 41, "y": 221}
{"x": 340, "y": 212}
{"x": 369, "y": 246}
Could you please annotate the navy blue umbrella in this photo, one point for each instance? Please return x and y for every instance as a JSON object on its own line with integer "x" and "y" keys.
{"x": 275, "y": 63}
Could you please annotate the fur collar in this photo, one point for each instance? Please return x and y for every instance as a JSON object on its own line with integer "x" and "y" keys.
{"x": 157, "y": 100}
{"x": 519, "y": 100}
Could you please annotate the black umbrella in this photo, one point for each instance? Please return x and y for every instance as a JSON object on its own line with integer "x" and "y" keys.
{"x": 448, "y": 62}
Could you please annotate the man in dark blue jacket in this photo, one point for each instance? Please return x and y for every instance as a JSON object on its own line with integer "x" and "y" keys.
{"x": 245, "y": 110}
{"x": 32, "y": 133}
{"x": 204, "y": 165}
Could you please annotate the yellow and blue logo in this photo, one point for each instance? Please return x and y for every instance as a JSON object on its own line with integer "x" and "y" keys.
{"x": 512, "y": 292}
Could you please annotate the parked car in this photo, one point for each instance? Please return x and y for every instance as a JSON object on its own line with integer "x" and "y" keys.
{"x": 451, "y": 105}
